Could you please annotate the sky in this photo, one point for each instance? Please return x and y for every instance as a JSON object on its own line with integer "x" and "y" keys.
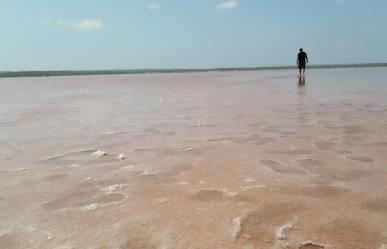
{"x": 133, "y": 34}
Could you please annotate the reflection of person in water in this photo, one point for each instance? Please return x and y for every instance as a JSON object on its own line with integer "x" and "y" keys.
{"x": 302, "y": 59}
{"x": 301, "y": 85}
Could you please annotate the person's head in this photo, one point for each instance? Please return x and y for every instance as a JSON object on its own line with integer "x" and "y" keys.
{"x": 301, "y": 50}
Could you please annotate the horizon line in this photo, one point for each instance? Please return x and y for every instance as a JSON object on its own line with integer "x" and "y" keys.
{"x": 65, "y": 72}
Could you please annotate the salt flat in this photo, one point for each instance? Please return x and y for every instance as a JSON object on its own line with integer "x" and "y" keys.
{"x": 195, "y": 160}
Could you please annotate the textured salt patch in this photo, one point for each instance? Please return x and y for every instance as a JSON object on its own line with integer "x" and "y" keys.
{"x": 148, "y": 173}
{"x": 281, "y": 231}
{"x": 237, "y": 227}
{"x": 311, "y": 245}
{"x": 281, "y": 235}
{"x": 48, "y": 234}
{"x": 112, "y": 188}
{"x": 230, "y": 194}
{"x": 88, "y": 178}
{"x": 162, "y": 200}
{"x": 90, "y": 207}
{"x": 383, "y": 246}
{"x": 74, "y": 165}
{"x": 188, "y": 149}
{"x": 247, "y": 188}
{"x": 99, "y": 153}
{"x": 202, "y": 182}
{"x": 249, "y": 180}
{"x": 249, "y": 246}
{"x": 19, "y": 169}
{"x": 121, "y": 157}
{"x": 65, "y": 246}
{"x": 131, "y": 166}
{"x": 183, "y": 183}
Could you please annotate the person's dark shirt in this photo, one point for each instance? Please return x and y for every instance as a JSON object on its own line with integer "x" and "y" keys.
{"x": 302, "y": 57}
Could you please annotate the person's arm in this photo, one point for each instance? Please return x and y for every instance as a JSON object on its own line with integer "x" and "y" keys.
{"x": 307, "y": 61}
{"x": 298, "y": 59}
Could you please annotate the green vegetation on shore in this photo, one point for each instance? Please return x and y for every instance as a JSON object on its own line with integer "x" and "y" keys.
{"x": 144, "y": 71}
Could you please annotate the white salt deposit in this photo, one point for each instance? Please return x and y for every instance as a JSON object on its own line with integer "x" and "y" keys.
{"x": 162, "y": 200}
{"x": 148, "y": 173}
{"x": 249, "y": 180}
{"x": 311, "y": 243}
{"x": 183, "y": 183}
{"x": 121, "y": 157}
{"x": 129, "y": 167}
{"x": 237, "y": 228}
{"x": 247, "y": 188}
{"x": 99, "y": 153}
{"x": 249, "y": 246}
{"x": 112, "y": 188}
{"x": 90, "y": 207}
{"x": 230, "y": 194}
{"x": 19, "y": 169}
{"x": 281, "y": 231}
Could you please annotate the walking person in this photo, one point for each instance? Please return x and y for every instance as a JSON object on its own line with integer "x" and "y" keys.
{"x": 302, "y": 60}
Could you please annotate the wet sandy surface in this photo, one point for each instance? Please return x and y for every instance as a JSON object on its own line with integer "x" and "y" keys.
{"x": 231, "y": 160}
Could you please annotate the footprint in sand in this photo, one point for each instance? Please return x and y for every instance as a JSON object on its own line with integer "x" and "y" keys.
{"x": 281, "y": 169}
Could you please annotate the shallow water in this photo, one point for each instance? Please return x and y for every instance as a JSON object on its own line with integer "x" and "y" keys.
{"x": 200, "y": 160}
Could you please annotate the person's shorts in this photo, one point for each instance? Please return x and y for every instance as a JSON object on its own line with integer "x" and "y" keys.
{"x": 301, "y": 65}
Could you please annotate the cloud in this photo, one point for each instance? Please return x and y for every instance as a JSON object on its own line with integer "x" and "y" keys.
{"x": 89, "y": 24}
{"x": 81, "y": 25}
{"x": 227, "y": 5}
{"x": 153, "y": 6}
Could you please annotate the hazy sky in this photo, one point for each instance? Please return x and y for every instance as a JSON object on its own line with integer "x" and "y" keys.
{"x": 126, "y": 34}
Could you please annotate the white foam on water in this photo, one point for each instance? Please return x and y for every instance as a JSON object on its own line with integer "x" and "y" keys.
{"x": 99, "y": 153}
{"x": 237, "y": 227}
{"x": 90, "y": 207}
{"x": 249, "y": 180}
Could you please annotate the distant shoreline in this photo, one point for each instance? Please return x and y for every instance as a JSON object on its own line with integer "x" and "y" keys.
{"x": 14, "y": 74}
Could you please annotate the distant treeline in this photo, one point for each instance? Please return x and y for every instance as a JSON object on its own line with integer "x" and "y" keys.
{"x": 144, "y": 71}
